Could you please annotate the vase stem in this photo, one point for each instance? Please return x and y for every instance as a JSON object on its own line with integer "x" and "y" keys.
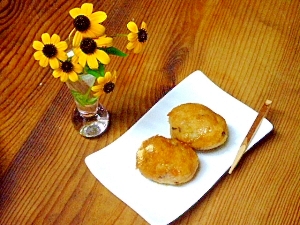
{"x": 87, "y": 110}
{"x": 91, "y": 124}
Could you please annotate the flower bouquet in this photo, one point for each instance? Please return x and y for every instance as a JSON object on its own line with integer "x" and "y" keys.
{"x": 80, "y": 62}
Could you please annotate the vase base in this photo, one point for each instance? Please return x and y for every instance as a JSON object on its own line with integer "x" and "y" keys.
{"x": 91, "y": 126}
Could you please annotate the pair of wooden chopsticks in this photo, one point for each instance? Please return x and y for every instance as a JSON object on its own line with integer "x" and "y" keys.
{"x": 261, "y": 114}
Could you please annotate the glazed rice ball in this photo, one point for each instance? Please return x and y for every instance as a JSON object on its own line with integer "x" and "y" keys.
{"x": 198, "y": 126}
{"x": 166, "y": 161}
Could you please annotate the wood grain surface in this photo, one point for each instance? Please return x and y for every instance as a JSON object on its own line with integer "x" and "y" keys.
{"x": 248, "y": 48}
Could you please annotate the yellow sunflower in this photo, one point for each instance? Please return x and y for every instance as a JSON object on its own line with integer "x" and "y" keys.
{"x": 89, "y": 53}
{"x": 137, "y": 38}
{"x": 50, "y": 50}
{"x": 86, "y": 23}
{"x": 68, "y": 70}
{"x": 105, "y": 84}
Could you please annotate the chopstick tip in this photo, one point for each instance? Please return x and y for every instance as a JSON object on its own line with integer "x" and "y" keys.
{"x": 268, "y": 102}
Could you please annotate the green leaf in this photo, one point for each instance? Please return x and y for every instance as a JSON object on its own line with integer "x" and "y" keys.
{"x": 93, "y": 72}
{"x": 100, "y": 72}
{"x": 115, "y": 51}
{"x": 83, "y": 99}
{"x": 91, "y": 101}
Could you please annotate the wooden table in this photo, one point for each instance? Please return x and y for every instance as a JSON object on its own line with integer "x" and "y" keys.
{"x": 248, "y": 48}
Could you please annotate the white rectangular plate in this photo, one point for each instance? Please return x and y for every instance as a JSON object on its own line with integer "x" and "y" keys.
{"x": 115, "y": 165}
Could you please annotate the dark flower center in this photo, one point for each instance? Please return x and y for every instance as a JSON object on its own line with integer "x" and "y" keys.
{"x": 67, "y": 67}
{"x": 108, "y": 87}
{"x": 49, "y": 50}
{"x": 88, "y": 45}
{"x": 142, "y": 35}
{"x": 82, "y": 23}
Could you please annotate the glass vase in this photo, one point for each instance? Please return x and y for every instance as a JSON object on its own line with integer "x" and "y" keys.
{"x": 90, "y": 118}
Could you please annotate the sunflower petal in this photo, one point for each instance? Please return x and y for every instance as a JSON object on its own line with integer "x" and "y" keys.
{"x": 114, "y": 77}
{"x": 64, "y": 77}
{"x": 94, "y": 31}
{"x": 77, "y": 39}
{"x": 104, "y": 41}
{"x": 77, "y": 68}
{"x": 74, "y": 59}
{"x": 87, "y": 8}
{"x": 46, "y": 38}
{"x": 54, "y": 39}
{"x": 54, "y": 63}
{"x": 138, "y": 48}
{"x": 38, "y": 55}
{"x": 97, "y": 29}
{"x": 44, "y": 61}
{"x": 75, "y": 12}
{"x": 61, "y": 55}
{"x": 61, "y": 45}
{"x": 98, "y": 94}
{"x": 132, "y": 37}
{"x": 57, "y": 73}
{"x": 77, "y": 52}
{"x": 133, "y": 27}
{"x": 98, "y": 17}
{"x": 131, "y": 45}
{"x": 89, "y": 33}
{"x": 92, "y": 62}
{"x": 73, "y": 76}
{"x": 108, "y": 76}
{"x": 102, "y": 56}
{"x": 144, "y": 25}
{"x": 100, "y": 80}
{"x": 96, "y": 88}
{"x": 82, "y": 59}
{"x": 37, "y": 45}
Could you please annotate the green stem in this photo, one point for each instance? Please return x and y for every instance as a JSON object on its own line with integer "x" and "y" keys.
{"x": 119, "y": 35}
{"x": 87, "y": 93}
